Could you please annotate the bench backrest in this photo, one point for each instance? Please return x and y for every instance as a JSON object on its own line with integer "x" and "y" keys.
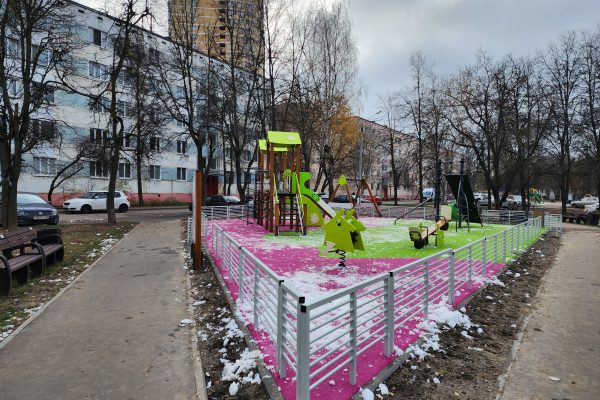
{"x": 14, "y": 239}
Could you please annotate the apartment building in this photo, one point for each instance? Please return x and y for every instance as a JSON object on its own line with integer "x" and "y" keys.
{"x": 166, "y": 174}
{"x": 228, "y": 30}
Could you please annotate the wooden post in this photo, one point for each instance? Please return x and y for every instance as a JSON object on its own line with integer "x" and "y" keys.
{"x": 366, "y": 185}
{"x": 198, "y": 222}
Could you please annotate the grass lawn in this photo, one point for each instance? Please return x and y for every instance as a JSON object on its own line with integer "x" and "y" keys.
{"x": 392, "y": 241}
{"x": 84, "y": 244}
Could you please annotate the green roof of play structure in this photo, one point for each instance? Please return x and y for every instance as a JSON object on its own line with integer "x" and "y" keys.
{"x": 284, "y": 138}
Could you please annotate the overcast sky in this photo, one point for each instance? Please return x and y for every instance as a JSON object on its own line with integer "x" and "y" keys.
{"x": 449, "y": 32}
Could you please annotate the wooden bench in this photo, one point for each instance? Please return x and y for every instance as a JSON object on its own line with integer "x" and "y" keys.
{"x": 16, "y": 260}
{"x": 52, "y": 245}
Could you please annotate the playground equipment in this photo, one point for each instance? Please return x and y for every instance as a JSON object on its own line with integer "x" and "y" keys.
{"x": 314, "y": 206}
{"x": 465, "y": 201}
{"x": 342, "y": 182}
{"x": 342, "y": 234}
{"x": 278, "y": 205}
{"x": 420, "y": 236}
{"x": 283, "y": 200}
{"x": 535, "y": 196}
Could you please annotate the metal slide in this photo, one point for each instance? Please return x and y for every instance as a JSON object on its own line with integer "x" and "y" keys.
{"x": 464, "y": 194}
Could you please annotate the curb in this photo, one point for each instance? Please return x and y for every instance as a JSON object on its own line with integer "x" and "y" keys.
{"x": 267, "y": 379}
{"x": 49, "y": 302}
{"x": 196, "y": 362}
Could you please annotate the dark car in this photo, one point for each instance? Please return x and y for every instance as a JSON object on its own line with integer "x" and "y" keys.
{"x": 341, "y": 198}
{"x": 221, "y": 201}
{"x": 32, "y": 209}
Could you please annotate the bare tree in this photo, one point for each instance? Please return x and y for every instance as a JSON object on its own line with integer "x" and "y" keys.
{"x": 590, "y": 109}
{"x": 35, "y": 41}
{"x": 331, "y": 68}
{"x": 561, "y": 64}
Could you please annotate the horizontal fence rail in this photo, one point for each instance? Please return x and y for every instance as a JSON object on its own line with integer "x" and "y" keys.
{"x": 316, "y": 338}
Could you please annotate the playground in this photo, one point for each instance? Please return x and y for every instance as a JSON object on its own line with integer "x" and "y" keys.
{"x": 332, "y": 299}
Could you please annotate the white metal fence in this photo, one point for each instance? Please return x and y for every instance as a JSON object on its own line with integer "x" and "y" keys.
{"x": 315, "y": 338}
{"x": 553, "y": 224}
{"x": 508, "y": 217}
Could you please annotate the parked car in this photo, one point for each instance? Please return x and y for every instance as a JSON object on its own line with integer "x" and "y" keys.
{"x": 221, "y": 201}
{"x": 375, "y": 199}
{"x": 482, "y": 198}
{"x": 428, "y": 193}
{"x": 341, "y": 198}
{"x": 32, "y": 209}
{"x": 96, "y": 201}
{"x": 513, "y": 201}
{"x": 587, "y": 200}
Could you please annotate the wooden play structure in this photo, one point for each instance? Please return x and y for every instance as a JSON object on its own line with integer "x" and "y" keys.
{"x": 284, "y": 202}
{"x": 279, "y": 205}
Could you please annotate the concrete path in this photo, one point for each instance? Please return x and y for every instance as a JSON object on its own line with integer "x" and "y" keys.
{"x": 113, "y": 334}
{"x": 562, "y": 339}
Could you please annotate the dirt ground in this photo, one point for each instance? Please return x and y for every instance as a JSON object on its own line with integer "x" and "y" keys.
{"x": 211, "y": 318}
{"x": 466, "y": 368}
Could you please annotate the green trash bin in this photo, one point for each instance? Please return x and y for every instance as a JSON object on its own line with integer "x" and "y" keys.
{"x": 454, "y": 211}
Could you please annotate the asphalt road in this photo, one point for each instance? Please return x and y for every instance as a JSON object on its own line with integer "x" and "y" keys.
{"x": 149, "y": 214}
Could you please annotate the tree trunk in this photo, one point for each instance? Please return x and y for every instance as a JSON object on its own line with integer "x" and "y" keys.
{"x": 138, "y": 171}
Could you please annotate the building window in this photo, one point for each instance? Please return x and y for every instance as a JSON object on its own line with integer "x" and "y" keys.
{"x": 97, "y": 37}
{"x": 126, "y": 142}
{"x": 154, "y": 143}
{"x": 181, "y": 146}
{"x": 97, "y": 70}
{"x": 124, "y": 170}
{"x": 13, "y": 48}
{"x": 98, "y": 136}
{"x": 44, "y": 165}
{"x": 179, "y": 120}
{"x": 12, "y": 87}
{"x": 43, "y": 129}
{"x": 45, "y": 92}
{"x": 155, "y": 172}
{"x": 181, "y": 174}
{"x": 98, "y": 169}
{"x": 153, "y": 54}
{"x": 246, "y": 155}
{"x": 43, "y": 58}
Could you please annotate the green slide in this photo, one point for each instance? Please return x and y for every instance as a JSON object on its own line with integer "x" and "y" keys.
{"x": 316, "y": 207}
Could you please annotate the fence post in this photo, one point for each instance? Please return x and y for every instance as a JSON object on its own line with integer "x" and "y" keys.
{"x": 389, "y": 313}
{"x": 451, "y": 278}
{"x": 518, "y": 237}
{"x": 426, "y": 299}
{"x": 255, "y": 297}
{"x": 303, "y": 351}
{"x": 212, "y": 213}
{"x": 470, "y": 263}
{"x": 353, "y": 338}
{"x": 240, "y": 280}
{"x": 496, "y": 249}
{"x": 280, "y": 330}
{"x": 227, "y": 208}
{"x": 484, "y": 257}
{"x": 504, "y": 256}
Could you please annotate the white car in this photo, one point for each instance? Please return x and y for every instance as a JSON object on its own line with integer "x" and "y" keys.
{"x": 585, "y": 201}
{"x": 96, "y": 201}
{"x": 513, "y": 201}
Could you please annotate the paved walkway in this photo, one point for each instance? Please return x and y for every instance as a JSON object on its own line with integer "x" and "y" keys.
{"x": 562, "y": 339}
{"x": 113, "y": 334}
